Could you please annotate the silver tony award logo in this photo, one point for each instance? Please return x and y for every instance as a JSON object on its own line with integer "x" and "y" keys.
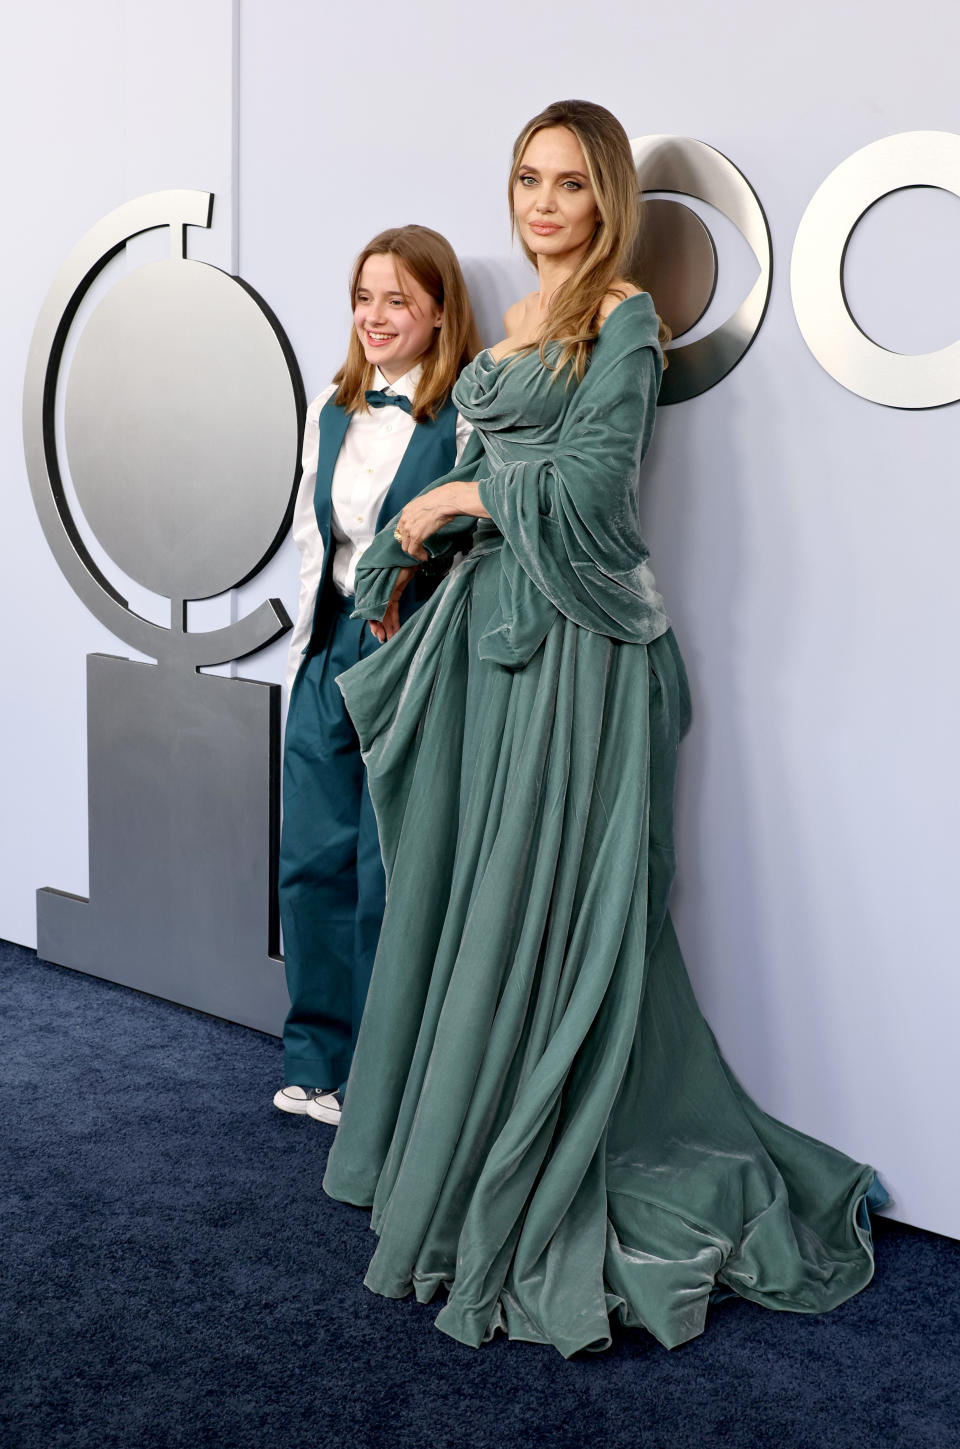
{"x": 183, "y": 408}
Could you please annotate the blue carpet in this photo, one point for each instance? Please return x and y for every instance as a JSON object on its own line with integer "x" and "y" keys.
{"x": 173, "y": 1276}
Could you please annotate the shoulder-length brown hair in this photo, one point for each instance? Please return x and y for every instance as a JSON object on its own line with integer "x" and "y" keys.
{"x": 574, "y": 316}
{"x": 429, "y": 258}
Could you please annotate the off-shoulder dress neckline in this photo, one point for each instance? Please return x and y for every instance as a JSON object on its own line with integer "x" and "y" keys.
{"x": 519, "y": 351}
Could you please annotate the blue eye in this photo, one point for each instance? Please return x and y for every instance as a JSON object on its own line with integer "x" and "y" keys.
{"x": 525, "y": 179}
{"x": 574, "y": 184}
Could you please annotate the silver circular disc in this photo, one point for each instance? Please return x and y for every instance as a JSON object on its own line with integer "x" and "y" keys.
{"x": 917, "y": 380}
{"x": 675, "y": 260}
{"x": 181, "y": 420}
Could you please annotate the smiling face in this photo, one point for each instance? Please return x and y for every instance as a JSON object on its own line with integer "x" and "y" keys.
{"x": 554, "y": 203}
{"x": 395, "y": 318}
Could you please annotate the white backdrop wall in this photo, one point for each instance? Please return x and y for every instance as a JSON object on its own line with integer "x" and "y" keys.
{"x": 804, "y": 538}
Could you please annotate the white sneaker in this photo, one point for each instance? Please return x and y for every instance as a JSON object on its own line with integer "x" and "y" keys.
{"x": 324, "y": 1107}
{"x": 296, "y": 1099}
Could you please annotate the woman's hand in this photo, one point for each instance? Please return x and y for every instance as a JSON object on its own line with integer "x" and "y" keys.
{"x": 424, "y": 515}
{"x": 390, "y": 622}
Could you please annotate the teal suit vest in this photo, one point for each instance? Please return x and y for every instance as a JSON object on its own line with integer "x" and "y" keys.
{"x": 431, "y": 451}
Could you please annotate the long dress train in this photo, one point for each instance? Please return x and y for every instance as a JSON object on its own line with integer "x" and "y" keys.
{"x": 537, "y": 1113}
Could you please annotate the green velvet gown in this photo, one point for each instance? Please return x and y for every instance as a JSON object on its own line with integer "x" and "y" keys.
{"x": 538, "y": 1114}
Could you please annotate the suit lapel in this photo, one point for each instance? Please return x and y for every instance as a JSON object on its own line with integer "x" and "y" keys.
{"x": 332, "y": 428}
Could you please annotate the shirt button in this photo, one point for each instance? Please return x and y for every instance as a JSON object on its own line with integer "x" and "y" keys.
{"x": 388, "y": 428}
{"x": 359, "y": 517}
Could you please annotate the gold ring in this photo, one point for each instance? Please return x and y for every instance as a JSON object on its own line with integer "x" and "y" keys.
{"x": 398, "y": 535}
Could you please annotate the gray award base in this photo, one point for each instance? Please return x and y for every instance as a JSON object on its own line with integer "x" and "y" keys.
{"x": 184, "y": 826}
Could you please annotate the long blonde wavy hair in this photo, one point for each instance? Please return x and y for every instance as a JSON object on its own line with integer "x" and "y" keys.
{"x": 574, "y": 316}
{"x": 430, "y": 259}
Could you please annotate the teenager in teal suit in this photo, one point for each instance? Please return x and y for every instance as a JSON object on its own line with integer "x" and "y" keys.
{"x": 373, "y": 439}
{"x": 538, "y": 1114}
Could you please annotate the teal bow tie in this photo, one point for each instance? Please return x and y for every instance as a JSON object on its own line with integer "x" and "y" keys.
{"x": 386, "y": 399}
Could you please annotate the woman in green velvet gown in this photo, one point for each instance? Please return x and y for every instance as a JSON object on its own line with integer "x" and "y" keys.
{"x": 537, "y": 1113}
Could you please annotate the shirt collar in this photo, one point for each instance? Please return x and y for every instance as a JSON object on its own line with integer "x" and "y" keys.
{"x": 405, "y": 386}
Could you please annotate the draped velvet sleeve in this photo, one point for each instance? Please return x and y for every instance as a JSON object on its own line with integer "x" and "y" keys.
{"x": 561, "y": 486}
{"x": 570, "y": 520}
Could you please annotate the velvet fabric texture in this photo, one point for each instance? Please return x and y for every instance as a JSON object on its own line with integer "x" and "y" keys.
{"x": 537, "y": 1113}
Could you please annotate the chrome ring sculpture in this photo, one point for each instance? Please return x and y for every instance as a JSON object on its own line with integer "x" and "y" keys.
{"x": 919, "y": 380}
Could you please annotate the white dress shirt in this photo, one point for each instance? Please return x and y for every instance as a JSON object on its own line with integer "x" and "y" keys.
{"x": 371, "y": 452}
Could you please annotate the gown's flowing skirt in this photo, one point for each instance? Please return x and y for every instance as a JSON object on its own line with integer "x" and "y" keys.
{"x": 538, "y": 1113}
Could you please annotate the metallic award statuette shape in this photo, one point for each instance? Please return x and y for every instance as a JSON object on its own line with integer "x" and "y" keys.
{"x": 681, "y": 274}
{"x": 183, "y": 413}
{"x": 894, "y": 379}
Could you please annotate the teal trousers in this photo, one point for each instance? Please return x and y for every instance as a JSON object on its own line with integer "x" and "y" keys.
{"x": 331, "y": 880}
